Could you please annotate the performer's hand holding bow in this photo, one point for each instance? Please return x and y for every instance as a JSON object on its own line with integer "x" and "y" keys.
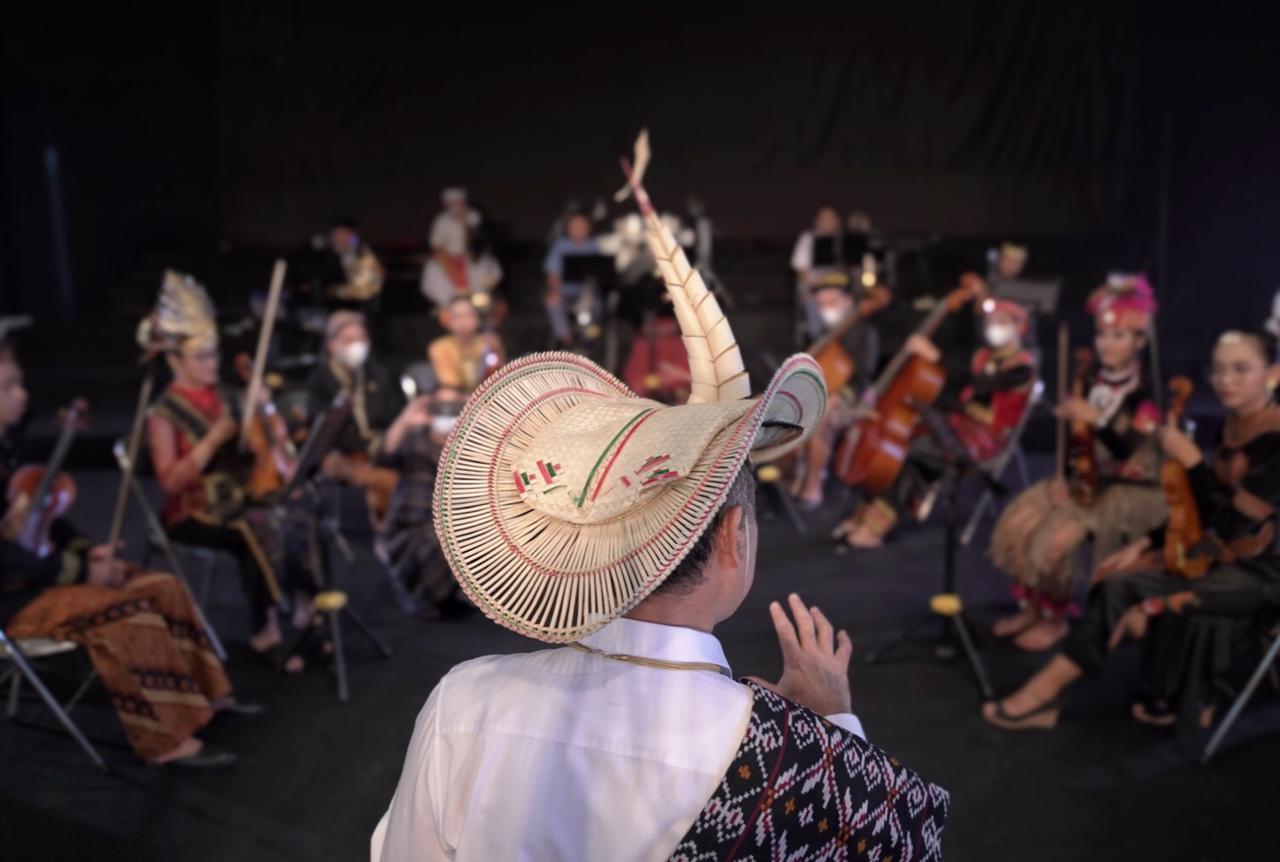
{"x": 815, "y": 659}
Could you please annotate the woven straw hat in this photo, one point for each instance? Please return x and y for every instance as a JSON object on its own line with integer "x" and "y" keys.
{"x": 563, "y": 499}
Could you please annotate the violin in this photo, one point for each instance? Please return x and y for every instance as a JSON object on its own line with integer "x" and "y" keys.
{"x": 1184, "y": 530}
{"x": 266, "y": 440}
{"x": 48, "y": 492}
{"x": 1081, "y": 453}
{"x": 872, "y": 454}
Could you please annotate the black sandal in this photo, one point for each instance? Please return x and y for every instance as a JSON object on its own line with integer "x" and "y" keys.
{"x": 1043, "y": 717}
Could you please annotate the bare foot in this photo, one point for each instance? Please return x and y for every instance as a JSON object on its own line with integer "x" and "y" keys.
{"x": 266, "y": 638}
{"x": 1042, "y": 635}
{"x": 863, "y": 537}
{"x": 186, "y": 748}
{"x": 1013, "y": 624}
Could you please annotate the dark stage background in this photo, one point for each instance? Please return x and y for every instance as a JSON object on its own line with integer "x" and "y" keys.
{"x": 220, "y": 126}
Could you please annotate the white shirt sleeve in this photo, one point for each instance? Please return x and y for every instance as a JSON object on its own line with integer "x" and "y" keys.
{"x": 439, "y": 232}
{"x": 848, "y": 721}
{"x": 410, "y": 830}
{"x": 802, "y": 255}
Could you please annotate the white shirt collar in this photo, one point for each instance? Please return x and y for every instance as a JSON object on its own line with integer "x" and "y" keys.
{"x": 657, "y": 641}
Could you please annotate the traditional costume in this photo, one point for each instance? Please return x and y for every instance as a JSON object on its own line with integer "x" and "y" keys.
{"x": 563, "y": 501}
{"x": 362, "y": 273}
{"x": 989, "y": 405}
{"x": 1192, "y": 642}
{"x": 209, "y": 507}
{"x": 1027, "y": 541}
{"x": 375, "y": 397}
{"x": 144, "y": 639}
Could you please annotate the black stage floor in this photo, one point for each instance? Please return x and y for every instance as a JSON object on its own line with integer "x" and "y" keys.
{"x": 315, "y": 775}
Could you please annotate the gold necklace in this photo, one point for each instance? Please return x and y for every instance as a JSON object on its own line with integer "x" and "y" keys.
{"x": 654, "y": 662}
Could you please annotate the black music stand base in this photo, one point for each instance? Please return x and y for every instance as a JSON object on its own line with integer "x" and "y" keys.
{"x": 947, "y": 608}
{"x": 331, "y": 607}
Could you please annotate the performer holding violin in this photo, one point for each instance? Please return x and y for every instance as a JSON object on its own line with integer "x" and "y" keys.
{"x": 164, "y": 679}
{"x": 1108, "y": 491}
{"x": 1192, "y": 589}
{"x": 214, "y": 491}
{"x": 989, "y": 403}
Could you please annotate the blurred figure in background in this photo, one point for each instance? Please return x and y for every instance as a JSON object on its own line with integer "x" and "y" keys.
{"x": 809, "y": 269}
{"x": 563, "y": 296}
{"x": 464, "y": 357}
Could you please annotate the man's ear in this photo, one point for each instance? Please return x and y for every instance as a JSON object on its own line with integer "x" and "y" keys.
{"x": 1273, "y": 377}
{"x": 729, "y": 538}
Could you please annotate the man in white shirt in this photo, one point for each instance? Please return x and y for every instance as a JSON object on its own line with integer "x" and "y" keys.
{"x": 576, "y": 513}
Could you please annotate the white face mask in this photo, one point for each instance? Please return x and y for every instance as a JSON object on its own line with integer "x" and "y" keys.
{"x": 442, "y": 425}
{"x": 354, "y": 354}
{"x": 831, "y": 316}
{"x": 999, "y": 334}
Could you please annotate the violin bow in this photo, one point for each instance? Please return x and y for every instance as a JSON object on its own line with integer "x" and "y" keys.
{"x": 135, "y": 440}
{"x": 260, "y": 356}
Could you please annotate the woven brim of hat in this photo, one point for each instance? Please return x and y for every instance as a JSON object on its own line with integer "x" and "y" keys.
{"x": 562, "y": 499}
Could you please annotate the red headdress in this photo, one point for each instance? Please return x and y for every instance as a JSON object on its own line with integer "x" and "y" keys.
{"x": 1125, "y": 301}
{"x": 1018, "y": 312}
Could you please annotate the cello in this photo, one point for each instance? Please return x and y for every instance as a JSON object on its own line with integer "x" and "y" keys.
{"x": 1184, "y": 531}
{"x": 48, "y": 492}
{"x": 872, "y": 454}
{"x": 837, "y": 365}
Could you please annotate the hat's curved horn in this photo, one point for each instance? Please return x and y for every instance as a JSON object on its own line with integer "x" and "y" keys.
{"x": 715, "y": 361}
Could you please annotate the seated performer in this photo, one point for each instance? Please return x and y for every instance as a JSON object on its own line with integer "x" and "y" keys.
{"x": 350, "y": 369}
{"x": 826, "y": 224}
{"x": 834, "y": 300}
{"x": 624, "y": 531}
{"x": 1038, "y": 533}
{"x": 989, "y": 404}
{"x": 164, "y": 680}
{"x": 564, "y": 296}
{"x": 191, "y": 434}
{"x": 466, "y": 355}
{"x": 446, "y": 272}
{"x": 361, "y": 272}
{"x": 1194, "y": 627}
{"x": 407, "y": 542}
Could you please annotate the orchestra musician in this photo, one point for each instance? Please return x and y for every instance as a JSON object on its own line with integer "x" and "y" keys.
{"x": 210, "y": 500}
{"x": 361, "y": 272}
{"x": 834, "y": 300}
{"x": 1110, "y": 493}
{"x": 989, "y": 403}
{"x": 79, "y": 591}
{"x": 467, "y": 353}
{"x": 1194, "y": 620}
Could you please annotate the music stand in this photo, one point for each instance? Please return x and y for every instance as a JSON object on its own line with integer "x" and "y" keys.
{"x": 330, "y": 603}
{"x": 946, "y": 605}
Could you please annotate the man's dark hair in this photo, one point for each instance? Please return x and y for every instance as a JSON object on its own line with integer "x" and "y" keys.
{"x": 343, "y": 221}
{"x": 687, "y": 576}
{"x": 7, "y": 353}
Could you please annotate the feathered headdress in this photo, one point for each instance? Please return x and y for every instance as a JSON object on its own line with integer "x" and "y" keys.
{"x": 183, "y": 311}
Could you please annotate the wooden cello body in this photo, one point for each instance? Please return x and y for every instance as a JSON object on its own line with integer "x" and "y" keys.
{"x": 872, "y": 454}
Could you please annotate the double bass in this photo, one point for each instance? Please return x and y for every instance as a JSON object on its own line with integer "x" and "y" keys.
{"x": 872, "y": 454}
{"x": 1184, "y": 532}
{"x": 48, "y": 492}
